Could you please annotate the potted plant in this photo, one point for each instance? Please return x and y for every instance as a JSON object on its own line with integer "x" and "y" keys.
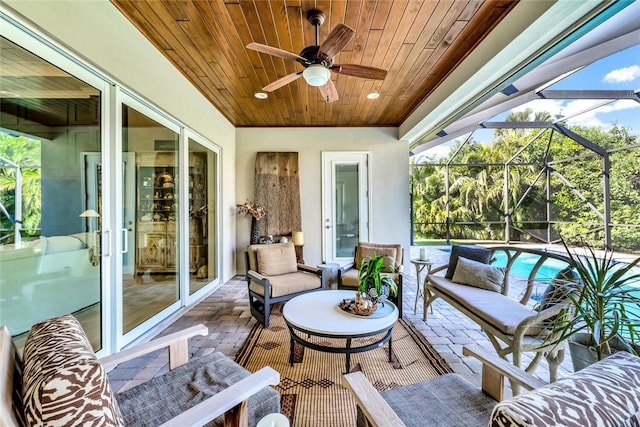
{"x": 604, "y": 308}
{"x": 371, "y": 280}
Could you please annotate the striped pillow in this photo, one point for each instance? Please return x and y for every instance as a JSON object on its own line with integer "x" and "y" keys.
{"x": 276, "y": 260}
{"x": 63, "y": 382}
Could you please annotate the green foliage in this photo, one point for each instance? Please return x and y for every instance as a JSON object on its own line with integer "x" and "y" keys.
{"x": 24, "y": 152}
{"x": 603, "y": 303}
{"x": 370, "y": 272}
{"x": 476, "y": 177}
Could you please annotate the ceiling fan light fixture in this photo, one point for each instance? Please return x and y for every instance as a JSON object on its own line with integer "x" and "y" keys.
{"x": 316, "y": 75}
{"x": 261, "y": 95}
{"x": 373, "y": 95}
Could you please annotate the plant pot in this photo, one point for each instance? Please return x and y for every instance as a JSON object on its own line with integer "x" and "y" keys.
{"x": 583, "y": 352}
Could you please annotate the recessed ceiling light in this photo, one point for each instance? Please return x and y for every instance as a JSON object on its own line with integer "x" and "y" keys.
{"x": 373, "y": 95}
{"x": 261, "y": 95}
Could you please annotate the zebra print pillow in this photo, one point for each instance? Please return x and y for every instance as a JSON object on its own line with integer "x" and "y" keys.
{"x": 63, "y": 382}
{"x": 606, "y": 393}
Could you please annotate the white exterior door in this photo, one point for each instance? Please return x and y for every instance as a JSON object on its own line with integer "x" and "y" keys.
{"x": 345, "y": 204}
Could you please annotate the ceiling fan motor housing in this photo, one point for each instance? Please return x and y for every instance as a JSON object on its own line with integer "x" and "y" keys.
{"x": 310, "y": 54}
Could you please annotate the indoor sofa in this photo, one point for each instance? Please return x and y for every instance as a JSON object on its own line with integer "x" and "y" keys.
{"x": 43, "y": 278}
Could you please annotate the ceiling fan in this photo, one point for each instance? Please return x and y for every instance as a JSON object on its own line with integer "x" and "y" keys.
{"x": 317, "y": 60}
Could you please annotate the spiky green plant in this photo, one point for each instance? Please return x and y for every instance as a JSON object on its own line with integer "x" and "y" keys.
{"x": 605, "y": 304}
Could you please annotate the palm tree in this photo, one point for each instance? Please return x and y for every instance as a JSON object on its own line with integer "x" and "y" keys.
{"x": 25, "y": 153}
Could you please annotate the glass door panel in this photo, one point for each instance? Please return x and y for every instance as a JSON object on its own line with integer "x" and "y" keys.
{"x": 150, "y": 216}
{"x": 202, "y": 208}
{"x": 345, "y": 204}
{"x": 51, "y": 210}
{"x": 347, "y": 209}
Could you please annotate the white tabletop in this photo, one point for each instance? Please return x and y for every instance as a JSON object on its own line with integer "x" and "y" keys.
{"x": 319, "y": 312}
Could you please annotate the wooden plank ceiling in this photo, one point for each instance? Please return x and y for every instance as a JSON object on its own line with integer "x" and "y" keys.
{"x": 418, "y": 42}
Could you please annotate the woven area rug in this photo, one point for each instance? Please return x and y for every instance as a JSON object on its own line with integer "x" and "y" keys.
{"x": 311, "y": 390}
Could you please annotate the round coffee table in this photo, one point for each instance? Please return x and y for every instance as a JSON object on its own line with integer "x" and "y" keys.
{"x": 316, "y": 314}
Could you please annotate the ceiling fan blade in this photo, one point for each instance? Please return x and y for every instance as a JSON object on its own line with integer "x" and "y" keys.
{"x": 282, "y": 82}
{"x": 329, "y": 92}
{"x": 360, "y": 71}
{"x": 274, "y": 51}
{"x": 336, "y": 41}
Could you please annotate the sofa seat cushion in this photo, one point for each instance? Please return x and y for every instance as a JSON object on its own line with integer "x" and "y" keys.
{"x": 276, "y": 260}
{"x": 160, "y": 399}
{"x": 287, "y": 284}
{"x": 429, "y": 403}
{"x": 64, "y": 384}
{"x": 483, "y": 304}
{"x": 606, "y": 393}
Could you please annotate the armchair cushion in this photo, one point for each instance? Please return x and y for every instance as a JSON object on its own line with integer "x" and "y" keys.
{"x": 351, "y": 279}
{"x": 182, "y": 388}
{"x": 475, "y": 253}
{"x": 286, "y": 284}
{"x": 63, "y": 381}
{"x": 474, "y": 273}
{"x": 390, "y": 254}
{"x": 408, "y": 402}
{"x": 276, "y": 260}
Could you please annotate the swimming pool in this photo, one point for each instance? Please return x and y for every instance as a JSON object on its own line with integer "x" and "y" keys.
{"x": 547, "y": 272}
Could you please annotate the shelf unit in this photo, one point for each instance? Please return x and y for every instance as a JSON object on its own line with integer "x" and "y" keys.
{"x": 157, "y": 211}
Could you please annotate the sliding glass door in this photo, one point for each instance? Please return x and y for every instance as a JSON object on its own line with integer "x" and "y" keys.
{"x": 50, "y": 206}
{"x": 151, "y": 214}
{"x": 108, "y": 206}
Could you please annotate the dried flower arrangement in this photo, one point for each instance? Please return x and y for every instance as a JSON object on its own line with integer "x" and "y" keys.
{"x": 249, "y": 208}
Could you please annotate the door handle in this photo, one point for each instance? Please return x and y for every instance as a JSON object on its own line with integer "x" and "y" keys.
{"x": 125, "y": 244}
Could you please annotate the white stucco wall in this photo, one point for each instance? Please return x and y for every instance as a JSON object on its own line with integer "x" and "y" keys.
{"x": 390, "y": 179}
{"x": 98, "y": 33}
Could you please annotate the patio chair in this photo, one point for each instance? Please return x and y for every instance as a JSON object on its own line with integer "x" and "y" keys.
{"x": 605, "y": 394}
{"x": 60, "y": 381}
{"x": 348, "y": 276}
{"x": 273, "y": 276}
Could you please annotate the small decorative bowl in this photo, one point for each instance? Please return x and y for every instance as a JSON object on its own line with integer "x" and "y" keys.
{"x": 364, "y": 311}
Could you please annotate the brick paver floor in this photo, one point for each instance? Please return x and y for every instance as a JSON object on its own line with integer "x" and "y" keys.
{"x": 226, "y": 313}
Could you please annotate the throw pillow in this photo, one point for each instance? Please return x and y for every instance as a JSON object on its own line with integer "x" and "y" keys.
{"x": 366, "y": 252}
{"x": 479, "y": 275}
{"x": 63, "y": 381}
{"x": 475, "y": 253}
{"x": 274, "y": 260}
{"x": 565, "y": 282}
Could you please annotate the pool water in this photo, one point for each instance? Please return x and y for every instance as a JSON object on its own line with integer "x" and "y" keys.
{"x": 547, "y": 272}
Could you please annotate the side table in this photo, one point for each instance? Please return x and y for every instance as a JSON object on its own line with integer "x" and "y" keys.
{"x": 420, "y": 265}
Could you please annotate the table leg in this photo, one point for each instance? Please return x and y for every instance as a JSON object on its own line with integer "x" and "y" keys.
{"x": 390, "y": 350}
{"x": 291, "y": 350}
{"x": 418, "y": 287}
{"x": 348, "y": 356}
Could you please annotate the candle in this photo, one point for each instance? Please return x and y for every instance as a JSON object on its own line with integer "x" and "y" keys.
{"x": 297, "y": 238}
{"x": 423, "y": 253}
{"x": 274, "y": 420}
